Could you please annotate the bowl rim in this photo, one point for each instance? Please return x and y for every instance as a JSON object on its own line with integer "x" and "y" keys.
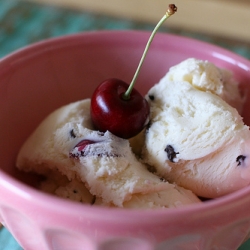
{"x": 33, "y": 196}
{"x": 59, "y": 205}
{"x": 221, "y": 53}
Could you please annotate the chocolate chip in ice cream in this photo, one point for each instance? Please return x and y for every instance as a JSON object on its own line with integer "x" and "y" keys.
{"x": 151, "y": 97}
{"x": 170, "y": 153}
{"x": 240, "y": 159}
{"x": 72, "y": 133}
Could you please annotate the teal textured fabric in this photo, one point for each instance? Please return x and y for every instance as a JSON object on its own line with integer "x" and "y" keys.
{"x": 7, "y": 242}
{"x": 23, "y": 23}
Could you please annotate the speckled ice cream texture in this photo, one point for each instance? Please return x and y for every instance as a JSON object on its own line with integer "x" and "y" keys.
{"x": 195, "y": 138}
{"x": 108, "y": 171}
{"x": 205, "y": 76}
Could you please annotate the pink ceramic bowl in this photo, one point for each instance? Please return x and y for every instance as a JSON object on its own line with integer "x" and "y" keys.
{"x": 42, "y": 77}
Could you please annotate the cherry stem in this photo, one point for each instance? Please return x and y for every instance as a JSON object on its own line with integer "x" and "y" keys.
{"x": 171, "y": 10}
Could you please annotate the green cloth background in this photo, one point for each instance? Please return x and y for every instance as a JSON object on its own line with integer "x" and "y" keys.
{"x": 23, "y": 23}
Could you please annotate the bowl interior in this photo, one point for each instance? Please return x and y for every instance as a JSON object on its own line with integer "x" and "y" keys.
{"x": 40, "y": 78}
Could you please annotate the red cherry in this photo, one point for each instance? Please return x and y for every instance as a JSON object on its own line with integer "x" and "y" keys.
{"x": 116, "y": 106}
{"x": 111, "y": 111}
{"x": 83, "y": 144}
{"x": 78, "y": 150}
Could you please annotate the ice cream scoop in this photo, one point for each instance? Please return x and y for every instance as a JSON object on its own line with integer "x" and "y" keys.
{"x": 205, "y": 76}
{"x": 195, "y": 138}
{"x": 66, "y": 142}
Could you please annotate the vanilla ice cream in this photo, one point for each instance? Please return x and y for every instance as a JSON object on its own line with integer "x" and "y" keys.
{"x": 195, "y": 138}
{"x": 105, "y": 165}
{"x": 205, "y": 76}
